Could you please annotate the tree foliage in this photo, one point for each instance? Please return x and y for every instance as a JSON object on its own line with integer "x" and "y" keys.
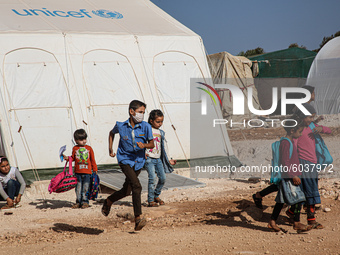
{"x": 260, "y": 50}
{"x": 295, "y": 45}
{"x": 326, "y": 39}
{"x": 252, "y": 52}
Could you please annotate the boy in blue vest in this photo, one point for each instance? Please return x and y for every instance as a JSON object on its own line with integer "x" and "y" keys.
{"x": 135, "y": 136}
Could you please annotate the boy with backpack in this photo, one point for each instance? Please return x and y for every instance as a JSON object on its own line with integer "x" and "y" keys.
{"x": 84, "y": 164}
{"x": 286, "y": 162}
{"x": 135, "y": 136}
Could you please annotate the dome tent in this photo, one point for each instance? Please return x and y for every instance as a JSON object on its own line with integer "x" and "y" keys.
{"x": 69, "y": 65}
{"x": 324, "y": 75}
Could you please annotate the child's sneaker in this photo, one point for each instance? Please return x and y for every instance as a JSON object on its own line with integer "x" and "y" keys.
{"x": 258, "y": 202}
{"x": 75, "y": 206}
{"x": 106, "y": 208}
{"x": 85, "y": 205}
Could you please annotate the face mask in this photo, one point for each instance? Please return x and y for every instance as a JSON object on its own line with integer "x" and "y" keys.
{"x": 139, "y": 117}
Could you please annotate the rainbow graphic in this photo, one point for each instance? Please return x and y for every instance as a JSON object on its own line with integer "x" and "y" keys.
{"x": 209, "y": 93}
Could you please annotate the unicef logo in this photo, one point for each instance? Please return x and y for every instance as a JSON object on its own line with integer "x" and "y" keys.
{"x": 108, "y": 14}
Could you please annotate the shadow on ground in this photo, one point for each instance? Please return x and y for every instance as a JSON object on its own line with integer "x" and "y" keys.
{"x": 51, "y": 204}
{"x": 62, "y": 227}
{"x": 245, "y": 216}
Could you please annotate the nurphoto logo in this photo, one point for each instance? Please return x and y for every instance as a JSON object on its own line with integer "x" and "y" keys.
{"x": 238, "y": 102}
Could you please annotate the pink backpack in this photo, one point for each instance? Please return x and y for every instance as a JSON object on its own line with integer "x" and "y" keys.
{"x": 63, "y": 181}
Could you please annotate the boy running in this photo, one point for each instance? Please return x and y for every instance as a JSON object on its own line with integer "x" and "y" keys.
{"x": 135, "y": 136}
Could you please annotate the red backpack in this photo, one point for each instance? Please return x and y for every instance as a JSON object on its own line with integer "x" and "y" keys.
{"x": 63, "y": 181}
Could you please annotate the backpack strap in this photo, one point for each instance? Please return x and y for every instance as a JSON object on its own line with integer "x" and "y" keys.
{"x": 317, "y": 137}
{"x": 290, "y": 147}
{"x": 65, "y": 166}
{"x": 70, "y": 171}
{"x": 312, "y": 125}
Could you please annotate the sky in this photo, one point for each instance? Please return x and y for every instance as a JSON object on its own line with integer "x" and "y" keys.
{"x": 240, "y": 25}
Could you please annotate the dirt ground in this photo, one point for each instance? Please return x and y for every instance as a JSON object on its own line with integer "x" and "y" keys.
{"x": 268, "y": 133}
{"x": 217, "y": 219}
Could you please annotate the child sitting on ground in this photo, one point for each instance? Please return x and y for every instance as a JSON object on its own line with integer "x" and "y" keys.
{"x": 157, "y": 160}
{"x": 12, "y": 184}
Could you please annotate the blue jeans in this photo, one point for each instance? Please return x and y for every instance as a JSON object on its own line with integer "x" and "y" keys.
{"x": 12, "y": 189}
{"x": 154, "y": 166}
{"x": 82, "y": 188}
{"x": 309, "y": 183}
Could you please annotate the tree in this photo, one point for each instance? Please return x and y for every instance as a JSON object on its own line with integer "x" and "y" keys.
{"x": 241, "y": 53}
{"x": 295, "y": 45}
{"x": 326, "y": 40}
{"x": 252, "y": 52}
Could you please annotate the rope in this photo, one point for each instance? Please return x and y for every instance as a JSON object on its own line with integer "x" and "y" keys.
{"x": 67, "y": 85}
{"x": 8, "y": 122}
{"x": 30, "y": 158}
{"x": 146, "y": 73}
{"x": 179, "y": 141}
{"x": 22, "y": 135}
{"x": 162, "y": 105}
{"x": 267, "y": 61}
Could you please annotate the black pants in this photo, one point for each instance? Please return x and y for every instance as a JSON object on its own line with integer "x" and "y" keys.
{"x": 131, "y": 184}
{"x": 296, "y": 209}
{"x": 270, "y": 189}
{"x": 310, "y": 213}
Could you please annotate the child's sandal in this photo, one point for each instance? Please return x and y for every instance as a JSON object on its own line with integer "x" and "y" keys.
{"x": 278, "y": 229}
{"x": 85, "y": 205}
{"x": 159, "y": 201}
{"x": 5, "y": 207}
{"x": 316, "y": 225}
{"x": 75, "y": 206}
{"x": 152, "y": 204}
{"x": 303, "y": 228}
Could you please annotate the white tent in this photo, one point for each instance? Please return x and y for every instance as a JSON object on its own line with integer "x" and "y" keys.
{"x": 78, "y": 64}
{"x": 324, "y": 75}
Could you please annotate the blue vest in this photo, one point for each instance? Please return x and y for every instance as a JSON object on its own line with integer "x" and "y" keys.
{"x": 164, "y": 158}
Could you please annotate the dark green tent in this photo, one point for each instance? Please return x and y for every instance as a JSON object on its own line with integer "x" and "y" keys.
{"x": 288, "y": 63}
{"x": 283, "y": 68}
